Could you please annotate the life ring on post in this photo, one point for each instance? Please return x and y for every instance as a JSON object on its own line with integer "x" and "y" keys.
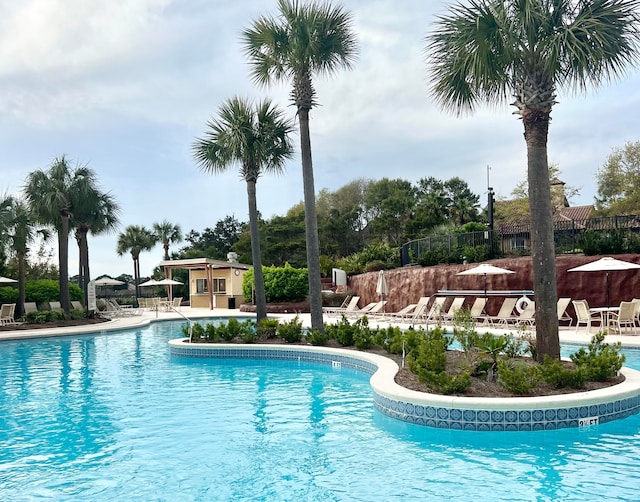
{"x": 522, "y": 304}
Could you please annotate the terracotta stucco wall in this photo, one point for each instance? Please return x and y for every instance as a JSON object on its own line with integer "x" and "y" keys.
{"x": 408, "y": 284}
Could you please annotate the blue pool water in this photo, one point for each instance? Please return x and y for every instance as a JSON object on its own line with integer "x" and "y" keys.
{"x": 115, "y": 417}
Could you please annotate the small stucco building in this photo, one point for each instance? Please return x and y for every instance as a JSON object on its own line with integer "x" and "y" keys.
{"x": 212, "y": 283}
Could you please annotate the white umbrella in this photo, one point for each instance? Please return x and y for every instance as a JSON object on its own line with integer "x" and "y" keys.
{"x": 485, "y": 269}
{"x": 6, "y": 280}
{"x": 150, "y": 282}
{"x": 382, "y": 288}
{"x": 108, "y": 281}
{"x": 167, "y": 282}
{"x": 605, "y": 264}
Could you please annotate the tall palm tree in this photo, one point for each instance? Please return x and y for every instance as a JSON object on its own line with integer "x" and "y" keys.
{"x": 49, "y": 195}
{"x": 305, "y": 39}
{"x": 491, "y": 49}
{"x": 134, "y": 240}
{"x": 167, "y": 233}
{"x": 96, "y": 212}
{"x": 256, "y": 138}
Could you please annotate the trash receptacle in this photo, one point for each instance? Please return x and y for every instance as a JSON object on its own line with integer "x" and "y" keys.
{"x": 232, "y": 303}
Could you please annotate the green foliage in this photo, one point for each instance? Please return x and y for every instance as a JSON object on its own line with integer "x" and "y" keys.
{"x": 46, "y": 290}
{"x": 291, "y": 332}
{"x": 44, "y": 316}
{"x": 445, "y": 383}
{"x": 8, "y": 295}
{"x": 515, "y": 347}
{"x": 601, "y": 361}
{"x": 342, "y": 332}
{"x": 389, "y": 338}
{"x": 518, "y": 378}
{"x": 613, "y": 241}
{"x": 493, "y": 346}
{"x": 315, "y": 337}
{"x": 377, "y": 256}
{"x": 555, "y": 374}
{"x": 280, "y": 283}
{"x": 362, "y": 336}
{"x": 267, "y": 327}
{"x": 430, "y": 355}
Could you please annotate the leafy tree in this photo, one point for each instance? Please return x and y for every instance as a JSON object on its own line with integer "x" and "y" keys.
{"x": 257, "y": 138}
{"x": 431, "y": 208}
{"x": 491, "y": 49}
{"x": 390, "y": 202}
{"x": 619, "y": 181}
{"x": 464, "y": 204}
{"x": 167, "y": 233}
{"x": 134, "y": 240}
{"x": 306, "y": 39}
{"x": 50, "y": 195}
{"x": 213, "y": 242}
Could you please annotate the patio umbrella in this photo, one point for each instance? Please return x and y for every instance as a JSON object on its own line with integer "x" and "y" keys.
{"x": 150, "y": 282}
{"x": 606, "y": 265}
{"x": 485, "y": 269}
{"x": 381, "y": 287}
{"x": 6, "y": 280}
{"x": 107, "y": 281}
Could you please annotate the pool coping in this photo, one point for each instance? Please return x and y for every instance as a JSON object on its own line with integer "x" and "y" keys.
{"x": 559, "y": 411}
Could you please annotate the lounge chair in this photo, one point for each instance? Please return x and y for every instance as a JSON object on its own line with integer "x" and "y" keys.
{"x": 477, "y": 309}
{"x": 624, "y": 319}
{"x": 364, "y": 310}
{"x": 30, "y": 307}
{"x": 637, "y": 311}
{"x": 352, "y": 305}
{"x": 504, "y": 314}
{"x": 404, "y": 313}
{"x": 526, "y": 317}
{"x": 584, "y": 315}
{"x": 55, "y": 306}
{"x": 177, "y": 302}
{"x": 6, "y": 314}
{"x": 563, "y": 303}
{"x": 75, "y": 304}
{"x": 456, "y": 305}
{"x": 435, "y": 312}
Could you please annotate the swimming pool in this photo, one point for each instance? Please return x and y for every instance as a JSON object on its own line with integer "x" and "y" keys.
{"x": 114, "y": 416}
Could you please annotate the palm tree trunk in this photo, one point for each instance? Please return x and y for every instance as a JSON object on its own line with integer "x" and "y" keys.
{"x": 83, "y": 254}
{"x": 63, "y": 263}
{"x": 311, "y": 223}
{"x": 536, "y": 127}
{"x": 136, "y": 275}
{"x": 258, "y": 277}
{"x": 21, "y": 284}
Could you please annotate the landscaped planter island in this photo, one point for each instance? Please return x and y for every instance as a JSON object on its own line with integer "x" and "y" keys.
{"x": 447, "y": 412}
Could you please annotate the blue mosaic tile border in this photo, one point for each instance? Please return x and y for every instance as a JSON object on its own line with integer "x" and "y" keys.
{"x": 441, "y": 417}
{"x": 289, "y": 355}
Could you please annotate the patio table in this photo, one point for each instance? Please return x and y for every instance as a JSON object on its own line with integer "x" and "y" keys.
{"x": 604, "y": 314}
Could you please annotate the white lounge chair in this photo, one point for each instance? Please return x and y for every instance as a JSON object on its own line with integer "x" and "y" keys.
{"x": 563, "y": 303}
{"x": 435, "y": 312}
{"x": 456, "y": 305}
{"x": 353, "y": 305}
{"x": 504, "y": 314}
{"x": 6, "y": 314}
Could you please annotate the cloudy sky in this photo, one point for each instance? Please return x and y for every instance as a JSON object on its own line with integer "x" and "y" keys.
{"x": 125, "y": 86}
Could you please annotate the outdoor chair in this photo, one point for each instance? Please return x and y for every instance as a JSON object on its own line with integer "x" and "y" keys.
{"x": 584, "y": 315}
{"x": 177, "y": 302}
{"x": 624, "y": 319}
{"x": 456, "y": 305}
{"x": 526, "y": 317}
{"x": 371, "y": 308}
{"x": 477, "y": 309}
{"x": 30, "y": 307}
{"x": 55, "y": 306}
{"x": 505, "y": 313}
{"x": 435, "y": 312}
{"x": 409, "y": 311}
{"x": 418, "y": 312}
{"x": 6, "y": 314}
{"x": 75, "y": 304}
{"x": 352, "y": 305}
{"x": 563, "y": 316}
{"x": 637, "y": 311}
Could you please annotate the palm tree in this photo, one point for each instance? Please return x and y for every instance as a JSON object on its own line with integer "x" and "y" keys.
{"x": 306, "y": 39}
{"x": 257, "y": 138}
{"x": 95, "y": 212}
{"x": 50, "y": 197}
{"x": 529, "y": 48}
{"x": 166, "y": 233}
{"x": 135, "y": 239}
{"x": 21, "y": 232}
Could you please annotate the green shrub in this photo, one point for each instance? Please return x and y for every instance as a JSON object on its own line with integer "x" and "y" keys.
{"x": 444, "y": 383}
{"x": 601, "y": 361}
{"x": 291, "y": 332}
{"x": 555, "y": 374}
{"x": 316, "y": 337}
{"x": 362, "y": 336}
{"x": 267, "y": 328}
{"x": 197, "y": 331}
{"x": 46, "y": 290}
{"x": 518, "y": 378}
{"x": 44, "y": 316}
{"x": 342, "y": 332}
{"x": 431, "y": 353}
{"x": 280, "y": 283}
{"x": 8, "y": 295}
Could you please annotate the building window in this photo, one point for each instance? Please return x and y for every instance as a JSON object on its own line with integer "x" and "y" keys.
{"x": 201, "y": 286}
{"x": 219, "y": 286}
{"x": 518, "y": 243}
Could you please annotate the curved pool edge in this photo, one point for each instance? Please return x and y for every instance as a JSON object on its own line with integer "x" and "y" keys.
{"x": 447, "y": 412}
